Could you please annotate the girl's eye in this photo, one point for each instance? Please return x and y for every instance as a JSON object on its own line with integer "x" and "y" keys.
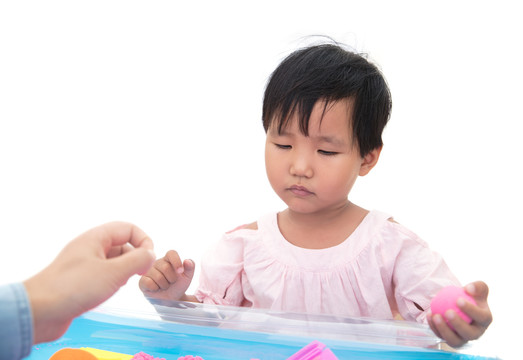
{"x": 327, "y": 153}
{"x": 281, "y": 146}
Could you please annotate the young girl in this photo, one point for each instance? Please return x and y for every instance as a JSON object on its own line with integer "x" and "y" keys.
{"x": 324, "y": 112}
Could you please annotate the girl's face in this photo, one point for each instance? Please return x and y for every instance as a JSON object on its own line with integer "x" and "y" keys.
{"x": 315, "y": 173}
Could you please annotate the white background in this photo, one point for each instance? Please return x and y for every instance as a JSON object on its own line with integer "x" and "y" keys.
{"x": 150, "y": 112}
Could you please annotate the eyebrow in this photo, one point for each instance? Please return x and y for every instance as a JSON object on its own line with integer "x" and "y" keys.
{"x": 330, "y": 140}
{"x": 326, "y": 139}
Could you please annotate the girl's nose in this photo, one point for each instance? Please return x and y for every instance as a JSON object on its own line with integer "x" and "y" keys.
{"x": 301, "y": 167}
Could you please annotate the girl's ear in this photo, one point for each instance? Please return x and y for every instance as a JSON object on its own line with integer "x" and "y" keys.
{"x": 369, "y": 161}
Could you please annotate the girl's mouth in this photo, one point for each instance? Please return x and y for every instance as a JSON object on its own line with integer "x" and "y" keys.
{"x": 300, "y": 190}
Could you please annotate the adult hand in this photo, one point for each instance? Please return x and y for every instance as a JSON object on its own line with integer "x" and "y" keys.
{"x": 461, "y": 331}
{"x": 89, "y": 270}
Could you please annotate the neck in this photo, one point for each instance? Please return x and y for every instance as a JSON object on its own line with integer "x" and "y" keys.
{"x": 319, "y": 219}
{"x": 323, "y": 229}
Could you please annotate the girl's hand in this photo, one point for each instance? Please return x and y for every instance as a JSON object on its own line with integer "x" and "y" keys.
{"x": 168, "y": 278}
{"x": 463, "y": 331}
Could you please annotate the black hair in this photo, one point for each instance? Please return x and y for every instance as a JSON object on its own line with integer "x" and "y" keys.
{"x": 329, "y": 72}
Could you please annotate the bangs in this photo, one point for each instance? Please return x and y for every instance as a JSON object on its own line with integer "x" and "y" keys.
{"x": 301, "y": 109}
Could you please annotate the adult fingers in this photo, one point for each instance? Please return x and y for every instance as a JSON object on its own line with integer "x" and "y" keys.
{"x": 119, "y": 233}
{"x": 137, "y": 261}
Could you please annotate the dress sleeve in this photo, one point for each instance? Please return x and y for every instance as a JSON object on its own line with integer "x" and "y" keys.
{"x": 419, "y": 273}
{"x": 221, "y": 272}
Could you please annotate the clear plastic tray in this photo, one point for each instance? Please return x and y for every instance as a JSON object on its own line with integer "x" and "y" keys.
{"x": 174, "y": 329}
{"x": 298, "y": 324}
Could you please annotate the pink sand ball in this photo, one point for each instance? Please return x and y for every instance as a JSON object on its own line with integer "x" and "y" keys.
{"x": 447, "y": 298}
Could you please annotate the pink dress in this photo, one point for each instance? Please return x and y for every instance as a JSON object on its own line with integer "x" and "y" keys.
{"x": 381, "y": 270}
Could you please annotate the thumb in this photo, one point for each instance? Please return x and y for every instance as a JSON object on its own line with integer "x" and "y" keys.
{"x": 478, "y": 290}
{"x": 188, "y": 268}
{"x": 136, "y": 261}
